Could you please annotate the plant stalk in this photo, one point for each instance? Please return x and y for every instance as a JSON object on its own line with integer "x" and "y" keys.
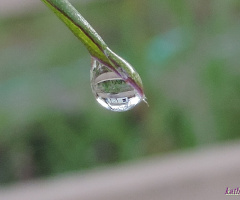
{"x": 94, "y": 43}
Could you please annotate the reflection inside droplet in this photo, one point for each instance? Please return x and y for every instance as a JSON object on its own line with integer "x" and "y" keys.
{"x": 110, "y": 90}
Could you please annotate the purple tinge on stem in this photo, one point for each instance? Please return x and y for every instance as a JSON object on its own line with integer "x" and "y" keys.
{"x": 127, "y": 79}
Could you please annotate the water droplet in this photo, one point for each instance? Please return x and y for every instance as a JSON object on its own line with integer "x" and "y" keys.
{"x": 110, "y": 90}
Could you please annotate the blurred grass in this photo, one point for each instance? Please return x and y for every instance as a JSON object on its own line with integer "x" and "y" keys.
{"x": 187, "y": 53}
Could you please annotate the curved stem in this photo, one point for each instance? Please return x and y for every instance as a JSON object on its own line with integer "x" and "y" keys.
{"x": 94, "y": 43}
{"x": 79, "y": 26}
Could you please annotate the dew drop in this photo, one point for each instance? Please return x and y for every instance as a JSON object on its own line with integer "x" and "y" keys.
{"x": 110, "y": 90}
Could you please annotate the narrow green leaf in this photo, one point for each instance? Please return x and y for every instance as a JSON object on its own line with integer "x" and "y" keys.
{"x": 94, "y": 43}
{"x": 79, "y": 26}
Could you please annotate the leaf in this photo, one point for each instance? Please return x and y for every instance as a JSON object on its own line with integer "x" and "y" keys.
{"x": 94, "y": 43}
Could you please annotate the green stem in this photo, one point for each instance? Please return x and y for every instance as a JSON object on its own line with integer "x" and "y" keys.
{"x": 94, "y": 43}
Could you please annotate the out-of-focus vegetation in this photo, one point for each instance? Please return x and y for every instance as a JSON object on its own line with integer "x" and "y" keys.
{"x": 187, "y": 53}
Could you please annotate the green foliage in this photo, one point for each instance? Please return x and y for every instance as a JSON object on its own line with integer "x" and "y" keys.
{"x": 115, "y": 86}
{"x": 49, "y": 120}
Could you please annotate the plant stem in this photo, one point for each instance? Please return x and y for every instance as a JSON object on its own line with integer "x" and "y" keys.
{"x": 79, "y": 26}
{"x": 94, "y": 43}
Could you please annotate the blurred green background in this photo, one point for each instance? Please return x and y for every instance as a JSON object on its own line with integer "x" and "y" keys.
{"x": 187, "y": 53}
